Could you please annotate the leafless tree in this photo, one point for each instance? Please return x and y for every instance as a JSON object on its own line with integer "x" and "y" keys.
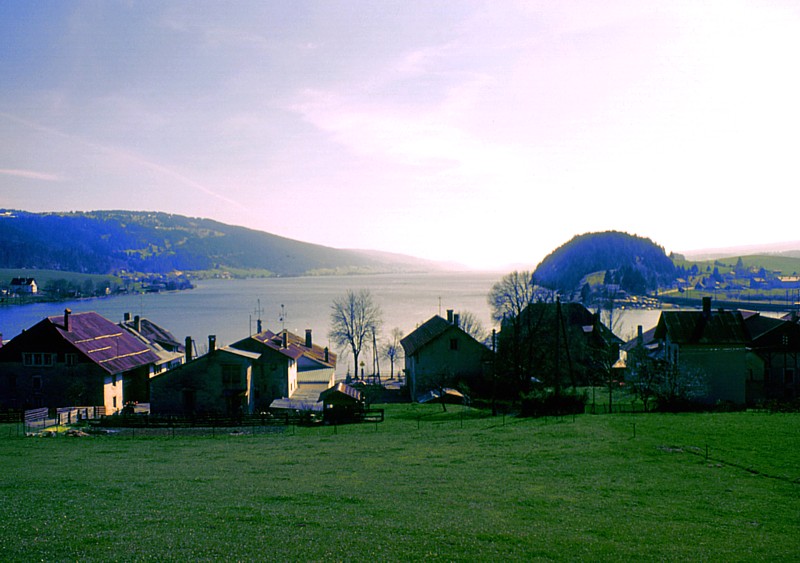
{"x": 472, "y": 325}
{"x": 355, "y": 317}
{"x": 507, "y": 299}
{"x": 392, "y": 348}
{"x": 511, "y": 295}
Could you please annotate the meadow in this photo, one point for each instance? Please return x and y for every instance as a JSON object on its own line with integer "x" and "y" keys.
{"x": 423, "y": 485}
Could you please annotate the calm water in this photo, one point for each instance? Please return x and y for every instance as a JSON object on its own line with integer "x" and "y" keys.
{"x": 228, "y": 308}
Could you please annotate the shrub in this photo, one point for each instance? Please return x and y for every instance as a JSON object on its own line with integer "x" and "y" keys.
{"x": 547, "y": 403}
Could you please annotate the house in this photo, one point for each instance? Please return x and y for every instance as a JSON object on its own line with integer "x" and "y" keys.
{"x": 715, "y": 345}
{"x": 75, "y": 359}
{"x": 21, "y": 286}
{"x": 170, "y": 352}
{"x": 563, "y": 343}
{"x": 776, "y": 342}
{"x": 439, "y": 353}
{"x": 217, "y": 383}
{"x": 296, "y": 383}
{"x": 248, "y": 376}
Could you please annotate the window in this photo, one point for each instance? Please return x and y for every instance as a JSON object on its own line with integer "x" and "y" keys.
{"x": 37, "y": 359}
{"x": 71, "y": 359}
{"x": 454, "y": 344}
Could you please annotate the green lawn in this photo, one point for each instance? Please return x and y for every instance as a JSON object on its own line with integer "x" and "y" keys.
{"x": 423, "y": 485}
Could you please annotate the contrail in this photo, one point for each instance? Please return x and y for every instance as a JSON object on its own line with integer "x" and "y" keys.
{"x": 30, "y": 174}
{"x": 121, "y": 153}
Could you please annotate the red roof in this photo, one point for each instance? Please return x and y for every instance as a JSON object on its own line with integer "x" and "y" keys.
{"x": 105, "y": 343}
{"x": 295, "y": 347}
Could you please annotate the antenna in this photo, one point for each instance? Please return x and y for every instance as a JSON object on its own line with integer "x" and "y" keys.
{"x": 282, "y": 318}
{"x": 258, "y": 310}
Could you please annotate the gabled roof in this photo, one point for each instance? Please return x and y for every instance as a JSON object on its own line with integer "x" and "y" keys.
{"x": 699, "y": 328}
{"x": 154, "y": 333}
{"x": 295, "y": 347}
{"x": 275, "y": 342}
{"x": 241, "y": 353}
{"x": 647, "y": 339}
{"x": 23, "y": 281}
{"x": 109, "y": 346}
{"x": 343, "y": 391}
{"x": 573, "y": 315}
{"x": 425, "y": 333}
{"x": 758, "y": 325}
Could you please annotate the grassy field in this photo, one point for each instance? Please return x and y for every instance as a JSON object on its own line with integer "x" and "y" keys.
{"x": 423, "y": 485}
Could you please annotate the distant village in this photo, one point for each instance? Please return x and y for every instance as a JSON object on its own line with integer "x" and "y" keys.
{"x": 23, "y": 290}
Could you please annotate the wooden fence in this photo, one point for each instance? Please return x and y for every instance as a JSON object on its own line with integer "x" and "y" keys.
{"x": 70, "y": 415}
{"x": 34, "y": 416}
{"x": 288, "y": 418}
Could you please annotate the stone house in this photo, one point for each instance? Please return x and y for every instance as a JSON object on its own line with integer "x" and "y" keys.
{"x": 80, "y": 359}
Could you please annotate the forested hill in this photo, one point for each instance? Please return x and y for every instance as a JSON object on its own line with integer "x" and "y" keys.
{"x": 637, "y": 264}
{"x": 103, "y": 242}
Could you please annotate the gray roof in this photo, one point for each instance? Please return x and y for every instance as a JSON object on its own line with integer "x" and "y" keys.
{"x": 425, "y": 333}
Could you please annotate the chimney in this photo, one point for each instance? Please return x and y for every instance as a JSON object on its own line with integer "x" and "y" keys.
{"x": 188, "y": 349}
{"x": 126, "y": 317}
{"x": 258, "y": 326}
{"x": 212, "y": 342}
{"x": 706, "y": 307}
{"x": 639, "y": 336}
{"x": 456, "y": 319}
{"x": 327, "y": 355}
{"x": 308, "y": 338}
{"x": 450, "y": 316}
{"x": 137, "y": 323}
{"x": 285, "y": 339}
{"x": 67, "y": 313}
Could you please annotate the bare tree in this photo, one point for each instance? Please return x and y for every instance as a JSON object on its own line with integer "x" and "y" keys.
{"x": 511, "y": 295}
{"x": 355, "y": 317}
{"x": 507, "y": 299}
{"x": 472, "y": 325}
{"x": 392, "y": 348}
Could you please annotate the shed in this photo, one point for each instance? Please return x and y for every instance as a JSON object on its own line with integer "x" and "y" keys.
{"x": 342, "y": 403}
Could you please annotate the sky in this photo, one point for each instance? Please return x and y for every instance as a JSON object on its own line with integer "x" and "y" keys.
{"x": 485, "y": 133}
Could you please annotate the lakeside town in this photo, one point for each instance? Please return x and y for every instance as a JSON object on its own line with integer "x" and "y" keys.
{"x": 543, "y": 354}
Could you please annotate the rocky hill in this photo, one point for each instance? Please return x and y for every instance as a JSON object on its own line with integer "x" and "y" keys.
{"x": 637, "y": 264}
{"x": 103, "y": 242}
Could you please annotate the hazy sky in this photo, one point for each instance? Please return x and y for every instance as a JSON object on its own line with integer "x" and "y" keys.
{"x": 481, "y": 132}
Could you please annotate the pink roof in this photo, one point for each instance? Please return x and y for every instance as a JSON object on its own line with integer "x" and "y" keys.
{"x": 105, "y": 343}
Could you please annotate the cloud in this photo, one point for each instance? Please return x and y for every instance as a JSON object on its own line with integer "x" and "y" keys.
{"x": 120, "y": 155}
{"x": 31, "y": 175}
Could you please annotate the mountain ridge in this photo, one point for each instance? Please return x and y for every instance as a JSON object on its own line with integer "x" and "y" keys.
{"x": 104, "y": 242}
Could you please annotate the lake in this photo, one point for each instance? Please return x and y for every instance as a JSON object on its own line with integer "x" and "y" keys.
{"x": 229, "y": 308}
